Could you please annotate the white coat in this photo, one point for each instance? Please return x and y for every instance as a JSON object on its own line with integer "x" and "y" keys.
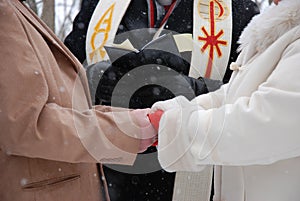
{"x": 250, "y": 128}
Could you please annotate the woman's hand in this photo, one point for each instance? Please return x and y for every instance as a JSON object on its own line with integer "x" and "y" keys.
{"x": 276, "y": 1}
{"x": 155, "y": 118}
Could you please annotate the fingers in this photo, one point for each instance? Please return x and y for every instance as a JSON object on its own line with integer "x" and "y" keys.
{"x": 276, "y": 1}
{"x": 155, "y": 118}
{"x": 145, "y": 143}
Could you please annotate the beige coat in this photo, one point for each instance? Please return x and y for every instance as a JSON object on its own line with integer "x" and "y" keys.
{"x": 250, "y": 127}
{"x": 50, "y": 138}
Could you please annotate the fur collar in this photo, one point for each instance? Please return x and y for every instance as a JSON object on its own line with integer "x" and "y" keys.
{"x": 268, "y": 26}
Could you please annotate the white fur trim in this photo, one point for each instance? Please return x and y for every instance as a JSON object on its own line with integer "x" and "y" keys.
{"x": 267, "y": 27}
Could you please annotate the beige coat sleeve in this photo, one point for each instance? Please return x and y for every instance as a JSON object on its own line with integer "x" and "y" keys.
{"x": 34, "y": 125}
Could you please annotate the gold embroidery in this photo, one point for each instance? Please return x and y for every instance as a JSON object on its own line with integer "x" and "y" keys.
{"x": 220, "y": 8}
{"x": 103, "y": 26}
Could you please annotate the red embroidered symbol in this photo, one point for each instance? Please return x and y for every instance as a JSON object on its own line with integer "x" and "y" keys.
{"x": 212, "y": 40}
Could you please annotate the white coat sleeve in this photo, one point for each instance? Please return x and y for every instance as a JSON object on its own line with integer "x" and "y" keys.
{"x": 260, "y": 129}
{"x": 205, "y": 101}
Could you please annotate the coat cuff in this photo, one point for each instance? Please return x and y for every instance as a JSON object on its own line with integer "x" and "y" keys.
{"x": 178, "y": 150}
{"x": 178, "y": 102}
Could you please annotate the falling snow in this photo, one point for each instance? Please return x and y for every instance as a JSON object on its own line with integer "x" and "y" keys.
{"x": 23, "y": 182}
{"x": 62, "y": 89}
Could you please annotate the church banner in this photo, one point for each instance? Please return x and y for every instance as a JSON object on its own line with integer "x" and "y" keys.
{"x": 103, "y": 28}
{"x": 212, "y": 38}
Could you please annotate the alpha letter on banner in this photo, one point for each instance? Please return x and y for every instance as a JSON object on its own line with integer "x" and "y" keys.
{"x": 103, "y": 28}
